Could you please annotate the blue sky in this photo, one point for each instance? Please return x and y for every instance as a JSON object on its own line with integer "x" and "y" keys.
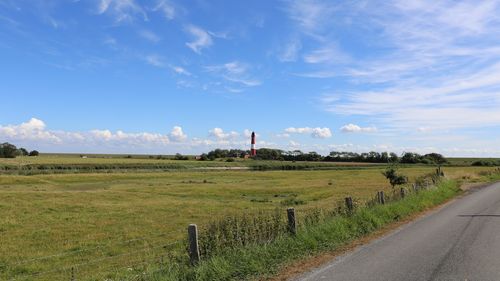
{"x": 166, "y": 76}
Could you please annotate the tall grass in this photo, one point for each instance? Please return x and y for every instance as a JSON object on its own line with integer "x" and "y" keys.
{"x": 242, "y": 248}
{"x": 240, "y": 231}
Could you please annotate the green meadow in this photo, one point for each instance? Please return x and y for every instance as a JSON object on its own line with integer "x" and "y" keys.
{"x": 93, "y": 225}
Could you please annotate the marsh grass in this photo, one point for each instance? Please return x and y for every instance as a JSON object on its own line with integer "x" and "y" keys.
{"x": 321, "y": 230}
{"x": 88, "y": 217}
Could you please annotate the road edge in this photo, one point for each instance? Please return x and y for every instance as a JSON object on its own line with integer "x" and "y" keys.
{"x": 294, "y": 271}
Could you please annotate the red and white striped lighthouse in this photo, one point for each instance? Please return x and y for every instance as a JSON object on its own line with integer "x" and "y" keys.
{"x": 253, "y": 151}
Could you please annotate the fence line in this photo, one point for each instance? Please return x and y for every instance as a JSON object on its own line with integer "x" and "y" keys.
{"x": 117, "y": 268}
{"x": 17, "y": 233}
{"x": 98, "y": 260}
{"x": 100, "y": 246}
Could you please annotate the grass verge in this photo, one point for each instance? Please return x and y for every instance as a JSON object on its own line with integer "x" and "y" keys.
{"x": 259, "y": 261}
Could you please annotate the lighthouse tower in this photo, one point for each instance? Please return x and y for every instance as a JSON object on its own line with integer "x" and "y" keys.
{"x": 253, "y": 151}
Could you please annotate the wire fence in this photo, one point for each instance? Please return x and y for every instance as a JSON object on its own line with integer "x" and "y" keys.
{"x": 75, "y": 262}
{"x": 128, "y": 259}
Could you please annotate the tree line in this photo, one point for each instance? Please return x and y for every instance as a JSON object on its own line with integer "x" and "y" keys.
{"x": 334, "y": 156}
{"x": 8, "y": 150}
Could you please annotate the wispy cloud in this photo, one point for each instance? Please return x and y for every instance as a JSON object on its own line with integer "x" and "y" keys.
{"x": 441, "y": 71}
{"x": 121, "y": 10}
{"x": 311, "y": 15}
{"x": 291, "y": 51}
{"x": 327, "y": 54}
{"x": 314, "y": 21}
{"x": 202, "y": 39}
{"x": 149, "y": 35}
{"x": 235, "y": 72}
{"x": 166, "y": 7}
{"x": 180, "y": 70}
{"x": 243, "y": 81}
{"x": 155, "y": 60}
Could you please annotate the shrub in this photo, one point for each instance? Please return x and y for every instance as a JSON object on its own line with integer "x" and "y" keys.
{"x": 8, "y": 150}
{"x": 179, "y": 156}
{"x": 394, "y": 177}
{"x": 486, "y": 163}
{"x": 34, "y": 153}
{"x": 23, "y": 152}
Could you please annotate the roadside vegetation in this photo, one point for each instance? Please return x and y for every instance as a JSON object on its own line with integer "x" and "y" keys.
{"x": 320, "y": 230}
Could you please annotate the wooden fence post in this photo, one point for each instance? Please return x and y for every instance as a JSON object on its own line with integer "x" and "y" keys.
{"x": 348, "y": 204}
{"x": 73, "y": 274}
{"x": 380, "y": 197}
{"x": 194, "y": 250}
{"x": 403, "y": 192}
{"x": 292, "y": 223}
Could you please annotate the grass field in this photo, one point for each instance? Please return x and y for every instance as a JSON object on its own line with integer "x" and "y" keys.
{"x": 102, "y": 223}
{"x": 59, "y": 164}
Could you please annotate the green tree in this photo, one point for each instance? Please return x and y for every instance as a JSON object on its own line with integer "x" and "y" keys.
{"x": 23, "y": 152}
{"x": 392, "y": 174}
{"x": 179, "y": 156}
{"x": 8, "y": 150}
{"x": 34, "y": 153}
{"x": 436, "y": 158}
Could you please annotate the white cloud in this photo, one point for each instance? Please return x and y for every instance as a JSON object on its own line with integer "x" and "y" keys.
{"x": 293, "y": 145}
{"x": 328, "y": 54}
{"x": 284, "y": 135}
{"x": 202, "y": 39}
{"x": 150, "y": 36}
{"x": 235, "y": 67}
{"x": 311, "y": 15}
{"x": 247, "y": 133}
{"x": 314, "y": 132}
{"x": 230, "y": 68}
{"x": 167, "y": 8}
{"x": 315, "y": 20}
{"x": 155, "y": 60}
{"x": 290, "y": 51}
{"x": 121, "y": 138}
{"x": 177, "y": 134}
{"x": 352, "y": 128}
{"x": 180, "y": 70}
{"x": 219, "y": 134}
{"x": 34, "y": 134}
{"x": 234, "y": 90}
{"x": 235, "y": 72}
{"x": 33, "y": 130}
{"x": 455, "y": 102}
{"x": 122, "y": 10}
{"x": 442, "y": 70}
{"x": 243, "y": 81}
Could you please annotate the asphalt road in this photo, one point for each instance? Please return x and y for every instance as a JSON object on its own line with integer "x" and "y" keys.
{"x": 461, "y": 241}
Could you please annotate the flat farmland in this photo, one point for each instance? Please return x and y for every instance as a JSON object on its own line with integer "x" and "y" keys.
{"x": 62, "y": 163}
{"x": 103, "y": 224}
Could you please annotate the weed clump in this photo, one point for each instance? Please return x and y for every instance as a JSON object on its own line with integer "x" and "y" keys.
{"x": 237, "y": 231}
